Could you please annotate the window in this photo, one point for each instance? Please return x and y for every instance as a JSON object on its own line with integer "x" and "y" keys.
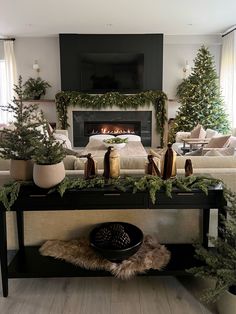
{"x": 3, "y": 92}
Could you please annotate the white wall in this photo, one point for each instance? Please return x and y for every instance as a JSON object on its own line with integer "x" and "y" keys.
{"x": 178, "y": 49}
{"x": 46, "y": 51}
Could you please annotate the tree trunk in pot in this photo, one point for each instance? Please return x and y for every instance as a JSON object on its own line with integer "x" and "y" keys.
{"x": 21, "y": 169}
{"x": 47, "y": 176}
{"x": 227, "y": 303}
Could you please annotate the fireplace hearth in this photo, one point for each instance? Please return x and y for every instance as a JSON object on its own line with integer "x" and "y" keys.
{"x": 87, "y": 123}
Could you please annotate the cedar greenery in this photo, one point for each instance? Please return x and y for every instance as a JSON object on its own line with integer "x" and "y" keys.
{"x": 220, "y": 262}
{"x": 200, "y": 98}
{"x": 83, "y": 100}
{"x": 10, "y": 191}
{"x": 16, "y": 142}
{"x": 34, "y": 88}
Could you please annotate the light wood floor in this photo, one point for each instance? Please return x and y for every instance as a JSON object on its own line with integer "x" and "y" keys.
{"x": 142, "y": 295}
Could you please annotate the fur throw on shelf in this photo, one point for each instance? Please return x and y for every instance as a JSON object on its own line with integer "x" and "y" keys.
{"x": 151, "y": 255}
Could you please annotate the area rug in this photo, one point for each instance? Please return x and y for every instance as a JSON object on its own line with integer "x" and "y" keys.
{"x": 151, "y": 255}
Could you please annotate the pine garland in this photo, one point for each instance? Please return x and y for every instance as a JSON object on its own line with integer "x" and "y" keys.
{"x": 83, "y": 100}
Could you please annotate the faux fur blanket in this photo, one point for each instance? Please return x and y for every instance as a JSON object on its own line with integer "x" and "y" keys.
{"x": 78, "y": 252}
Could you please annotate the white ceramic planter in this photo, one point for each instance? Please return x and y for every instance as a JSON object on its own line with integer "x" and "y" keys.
{"x": 227, "y": 303}
{"x": 47, "y": 176}
{"x": 21, "y": 169}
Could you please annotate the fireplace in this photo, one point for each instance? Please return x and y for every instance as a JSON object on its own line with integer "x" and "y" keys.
{"x": 87, "y": 123}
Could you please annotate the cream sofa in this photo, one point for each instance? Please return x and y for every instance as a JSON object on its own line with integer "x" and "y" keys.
{"x": 40, "y": 226}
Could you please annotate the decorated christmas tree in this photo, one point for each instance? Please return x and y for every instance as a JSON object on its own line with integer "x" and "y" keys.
{"x": 200, "y": 98}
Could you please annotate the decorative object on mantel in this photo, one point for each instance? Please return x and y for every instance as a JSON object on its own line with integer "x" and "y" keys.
{"x": 90, "y": 167}
{"x": 9, "y": 192}
{"x": 151, "y": 167}
{"x": 169, "y": 163}
{"x": 35, "y": 88}
{"x": 17, "y": 139}
{"x": 151, "y": 255}
{"x": 48, "y": 156}
{"x": 111, "y": 163}
{"x": 188, "y": 168}
{"x": 74, "y": 98}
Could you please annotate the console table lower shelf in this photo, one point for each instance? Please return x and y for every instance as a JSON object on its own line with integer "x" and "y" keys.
{"x": 28, "y": 263}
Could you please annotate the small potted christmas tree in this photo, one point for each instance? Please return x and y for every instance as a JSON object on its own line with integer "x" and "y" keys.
{"x": 16, "y": 140}
{"x": 48, "y": 167}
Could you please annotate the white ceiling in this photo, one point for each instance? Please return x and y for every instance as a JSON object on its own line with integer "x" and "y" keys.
{"x": 171, "y": 17}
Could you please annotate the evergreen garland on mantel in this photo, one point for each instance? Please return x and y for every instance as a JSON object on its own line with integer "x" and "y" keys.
{"x": 98, "y": 102}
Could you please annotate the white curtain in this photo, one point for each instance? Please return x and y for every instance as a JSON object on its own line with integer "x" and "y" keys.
{"x": 8, "y": 78}
{"x": 228, "y": 75}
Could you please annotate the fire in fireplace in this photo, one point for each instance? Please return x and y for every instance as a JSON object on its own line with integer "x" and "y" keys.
{"x": 104, "y": 127}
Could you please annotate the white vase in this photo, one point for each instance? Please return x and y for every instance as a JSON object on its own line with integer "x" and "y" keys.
{"x": 21, "y": 169}
{"x": 47, "y": 176}
{"x": 227, "y": 303}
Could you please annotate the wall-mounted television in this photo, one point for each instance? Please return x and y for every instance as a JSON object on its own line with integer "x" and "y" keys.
{"x": 104, "y": 72}
{"x": 99, "y": 63}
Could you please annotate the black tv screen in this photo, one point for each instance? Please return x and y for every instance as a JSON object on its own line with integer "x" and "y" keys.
{"x": 104, "y": 72}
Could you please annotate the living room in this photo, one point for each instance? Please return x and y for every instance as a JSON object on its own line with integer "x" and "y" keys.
{"x": 161, "y": 41}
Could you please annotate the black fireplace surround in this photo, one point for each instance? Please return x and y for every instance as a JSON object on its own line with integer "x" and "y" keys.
{"x": 87, "y": 123}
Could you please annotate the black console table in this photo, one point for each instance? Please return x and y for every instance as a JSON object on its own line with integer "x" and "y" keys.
{"x": 28, "y": 263}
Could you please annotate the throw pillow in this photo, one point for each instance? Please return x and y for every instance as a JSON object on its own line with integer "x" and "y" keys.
{"x": 182, "y": 135}
{"x": 218, "y": 142}
{"x": 131, "y": 137}
{"x": 61, "y": 138}
{"x": 211, "y": 133}
{"x": 198, "y": 132}
{"x": 100, "y": 137}
{"x": 232, "y": 141}
{"x": 228, "y": 151}
{"x": 213, "y": 152}
{"x": 79, "y": 163}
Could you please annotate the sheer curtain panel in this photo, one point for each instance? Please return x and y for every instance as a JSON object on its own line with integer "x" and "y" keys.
{"x": 8, "y": 78}
{"x": 228, "y": 75}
